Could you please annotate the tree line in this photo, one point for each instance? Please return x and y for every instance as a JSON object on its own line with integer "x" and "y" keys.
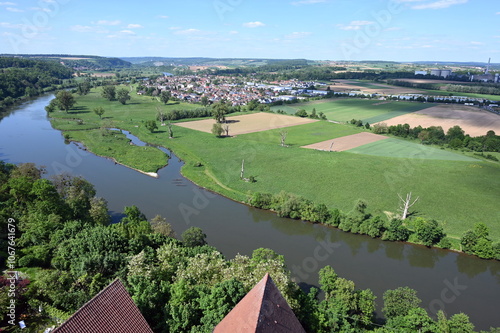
{"x": 180, "y": 284}
{"x": 22, "y": 78}
{"x": 428, "y": 232}
{"x": 454, "y": 138}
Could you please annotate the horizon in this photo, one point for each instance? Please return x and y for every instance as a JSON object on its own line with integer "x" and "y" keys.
{"x": 329, "y": 30}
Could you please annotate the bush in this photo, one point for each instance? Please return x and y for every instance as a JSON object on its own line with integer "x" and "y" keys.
{"x": 301, "y": 113}
{"x": 444, "y": 243}
{"x": 396, "y": 231}
{"x": 217, "y": 129}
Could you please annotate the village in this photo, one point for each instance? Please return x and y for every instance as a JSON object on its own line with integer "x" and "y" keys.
{"x": 234, "y": 90}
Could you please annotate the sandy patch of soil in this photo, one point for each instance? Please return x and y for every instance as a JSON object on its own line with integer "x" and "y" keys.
{"x": 249, "y": 123}
{"x": 472, "y": 120}
{"x": 347, "y": 142}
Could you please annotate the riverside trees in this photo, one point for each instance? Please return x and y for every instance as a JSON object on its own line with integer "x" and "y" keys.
{"x": 177, "y": 285}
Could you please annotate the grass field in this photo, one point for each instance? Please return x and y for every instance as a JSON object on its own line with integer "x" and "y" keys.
{"x": 344, "y": 109}
{"x": 392, "y": 147}
{"x": 458, "y": 193}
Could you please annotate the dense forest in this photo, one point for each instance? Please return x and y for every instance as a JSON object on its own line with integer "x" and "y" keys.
{"x": 61, "y": 234}
{"x": 21, "y": 78}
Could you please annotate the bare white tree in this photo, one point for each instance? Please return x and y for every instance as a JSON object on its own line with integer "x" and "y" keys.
{"x": 331, "y": 146}
{"x": 406, "y": 204}
{"x": 225, "y": 127}
{"x": 242, "y": 169}
{"x": 283, "y": 137}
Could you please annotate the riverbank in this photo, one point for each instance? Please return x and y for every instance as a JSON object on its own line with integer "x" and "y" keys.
{"x": 457, "y": 193}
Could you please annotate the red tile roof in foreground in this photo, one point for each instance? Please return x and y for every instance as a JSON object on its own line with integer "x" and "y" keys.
{"x": 110, "y": 311}
{"x": 263, "y": 309}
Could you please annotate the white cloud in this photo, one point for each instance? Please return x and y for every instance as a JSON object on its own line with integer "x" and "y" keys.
{"x": 163, "y": 17}
{"x": 188, "y": 32}
{"x": 128, "y": 32}
{"x": 106, "y": 22}
{"x": 296, "y": 35}
{"x": 14, "y": 10}
{"x": 497, "y": 13}
{"x": 233, "y": 32}
{"x": 10, "y": 25}
{"x": 476, "y": 43}
{"x": 439, "y": 4}
{"x": 134, "y": 26}
{"x": 354, "y": 25}
{"x": 87, "y": 28}
{"x": 174, "y": 28}
{"x": 255, "y": 24}
{"x": 307, "y": 2}
{"x": 41, "y": 9}
{"x": 7, "y": 4}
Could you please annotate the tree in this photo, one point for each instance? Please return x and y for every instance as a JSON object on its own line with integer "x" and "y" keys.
{"x": 151, "y": 125}
{"x": 109, "y": 92}
{"x": 99, "y": 111}
{"x": 170, "y": 130}
{"x": 283, "y": 135}
{"x": 455, "y": 132}
{"x": 160, "y": 224}
{"x": 193, "y": 236}
{"x": 406, "y": 204}
{"x": 123, "y": 95}
{"x": 219, "y": 111}
{"x": 399, "y": 302}
{"x": 313, "y": 114}
{"x": 301, "y": 113}
{"x": 217, "y": 129}
{"x": 429, "y": 232}
{"x": 161, "y": 116}
{"x": 165, "y": 96}
{"x": 204, "y": 100}
{"x": 225, "y": 127}
{"x": 83, "y": 88}
{"x": 65, "y": 100}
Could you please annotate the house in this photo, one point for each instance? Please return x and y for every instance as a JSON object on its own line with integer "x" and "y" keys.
{"x": 110, "y": 311}
{"x": 262, "y": 310}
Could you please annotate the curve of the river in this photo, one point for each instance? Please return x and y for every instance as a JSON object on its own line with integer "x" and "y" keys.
{"x": 444, "y": 280}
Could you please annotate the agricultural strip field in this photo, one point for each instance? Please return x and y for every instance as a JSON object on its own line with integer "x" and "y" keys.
{"x": 347, "y": 142}
{"x": 458, "y": 193}
{"x": 473, "y": 121}
{"x": 392, "y": 147}
{"x": 352, "y": 85}
{"x": 249, "y": 123}
{"x": 344, "y": 109}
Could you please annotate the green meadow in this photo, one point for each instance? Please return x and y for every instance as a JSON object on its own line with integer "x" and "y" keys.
{"x": 392, "y": 147}
{"x": 367, "y": 110}
{"x": 457, "y": 190}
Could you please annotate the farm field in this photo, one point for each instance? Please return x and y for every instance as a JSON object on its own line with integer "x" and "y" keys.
{"x": 458, "y": 193}
{"x": 350, "y": 85}
{"x": 473, "y": 121}
{"x": 249, "y": 123}
{"x": 347, "y": 142}
{"x": 392, "y": 147}
{"x": 344, "y": 109}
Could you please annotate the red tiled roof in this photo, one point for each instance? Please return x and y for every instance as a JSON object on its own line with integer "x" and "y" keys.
{"x": 110, "y": 311}
{"x": 262, "y": 310}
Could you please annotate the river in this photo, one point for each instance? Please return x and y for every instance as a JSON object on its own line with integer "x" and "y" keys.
{"x": 444, "y": 280}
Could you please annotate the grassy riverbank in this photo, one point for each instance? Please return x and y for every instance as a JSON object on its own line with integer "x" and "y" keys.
{"x": 458, "y": 192}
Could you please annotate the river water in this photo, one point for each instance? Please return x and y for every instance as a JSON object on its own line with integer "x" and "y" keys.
{"x": 444, "y": 280}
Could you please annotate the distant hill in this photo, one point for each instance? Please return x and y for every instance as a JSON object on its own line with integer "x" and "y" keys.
{"x": 202, "y": 61}
{"x": 81, "y": 62}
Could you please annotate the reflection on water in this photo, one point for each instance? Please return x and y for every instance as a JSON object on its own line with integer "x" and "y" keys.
{"x": 27, "y": 136}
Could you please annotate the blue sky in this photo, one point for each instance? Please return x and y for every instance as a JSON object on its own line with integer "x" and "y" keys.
{"x": 399, "y": 30}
